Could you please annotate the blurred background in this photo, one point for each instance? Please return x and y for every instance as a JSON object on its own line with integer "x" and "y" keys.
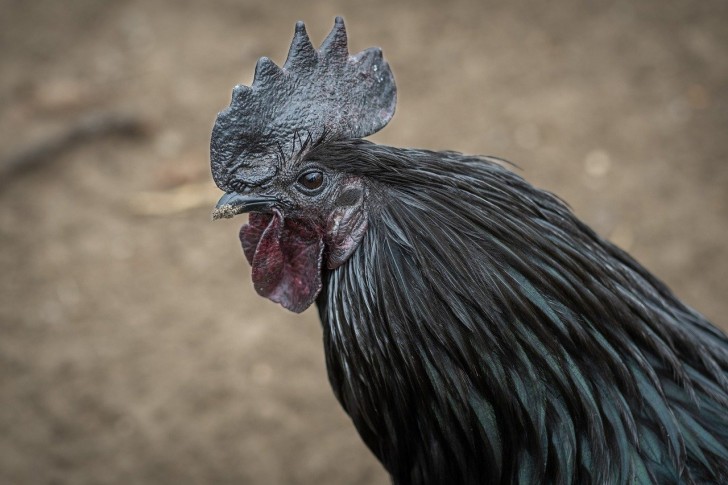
{"x": 133, "y": 348}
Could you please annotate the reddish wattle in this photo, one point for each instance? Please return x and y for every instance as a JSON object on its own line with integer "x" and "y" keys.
{"x": 286, "y": 257}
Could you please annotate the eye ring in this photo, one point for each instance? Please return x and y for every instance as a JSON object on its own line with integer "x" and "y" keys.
{"x": 311, "y": 181}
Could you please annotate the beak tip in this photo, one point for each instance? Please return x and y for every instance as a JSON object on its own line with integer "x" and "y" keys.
{"x": 225, "y": 200}
{"x": 224, "y": 211}
{"x": 233, "y": 203}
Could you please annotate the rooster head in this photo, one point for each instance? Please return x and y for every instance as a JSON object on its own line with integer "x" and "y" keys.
{"x": 266, "y": 151}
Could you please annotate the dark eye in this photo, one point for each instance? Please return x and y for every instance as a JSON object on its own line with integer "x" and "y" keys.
{"x": 311, "y": 180}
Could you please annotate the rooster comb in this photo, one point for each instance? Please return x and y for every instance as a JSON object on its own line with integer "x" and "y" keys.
{"x": 324, "y": 92}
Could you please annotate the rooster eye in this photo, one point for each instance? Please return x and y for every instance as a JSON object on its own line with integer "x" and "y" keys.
{"x": 312, "y": 180}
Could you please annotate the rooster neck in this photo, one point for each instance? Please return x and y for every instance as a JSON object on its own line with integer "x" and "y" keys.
{"x": 505, "y": 341}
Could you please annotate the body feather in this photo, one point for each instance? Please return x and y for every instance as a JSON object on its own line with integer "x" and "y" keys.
{"x": 482, "y": 334}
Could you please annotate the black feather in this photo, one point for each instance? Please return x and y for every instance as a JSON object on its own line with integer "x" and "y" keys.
{"x": 482, "y": 334}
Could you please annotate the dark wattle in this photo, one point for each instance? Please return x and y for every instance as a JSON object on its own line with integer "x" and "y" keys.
{"x": 286, "y": 257}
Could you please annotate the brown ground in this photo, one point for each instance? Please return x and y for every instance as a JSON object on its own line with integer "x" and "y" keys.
{"x": 132, "y": 346}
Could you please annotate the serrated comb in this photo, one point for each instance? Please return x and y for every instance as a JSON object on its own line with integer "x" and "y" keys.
{"x": 316, "y": 92}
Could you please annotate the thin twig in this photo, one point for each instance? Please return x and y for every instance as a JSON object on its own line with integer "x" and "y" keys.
{"x": 85, "y": 129}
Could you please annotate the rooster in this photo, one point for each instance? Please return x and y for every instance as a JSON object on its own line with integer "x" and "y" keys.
{"x": 475, "y": 331}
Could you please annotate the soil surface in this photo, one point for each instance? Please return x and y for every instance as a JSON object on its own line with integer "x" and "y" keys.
{"x": 133, "y": 348}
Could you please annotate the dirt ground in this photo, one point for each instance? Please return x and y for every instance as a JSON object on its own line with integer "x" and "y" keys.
{"x": 133, "y": 348}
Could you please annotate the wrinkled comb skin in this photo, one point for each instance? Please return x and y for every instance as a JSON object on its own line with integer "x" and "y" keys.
{"x": 315, "y": 93}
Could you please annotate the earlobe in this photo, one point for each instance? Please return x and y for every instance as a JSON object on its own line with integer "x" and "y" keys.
{"x": 346, "y": 225}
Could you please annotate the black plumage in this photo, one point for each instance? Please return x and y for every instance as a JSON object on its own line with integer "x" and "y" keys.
{"x": 483, "y": 334}
{"x": 475, "y": 330}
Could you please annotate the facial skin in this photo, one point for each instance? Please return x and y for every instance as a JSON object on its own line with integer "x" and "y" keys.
{"x": 304, "y": 216}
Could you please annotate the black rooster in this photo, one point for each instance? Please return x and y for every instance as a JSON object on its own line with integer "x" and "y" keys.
{"x": 475, "y": 330}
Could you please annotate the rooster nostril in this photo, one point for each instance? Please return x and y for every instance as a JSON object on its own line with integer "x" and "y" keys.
{"x": 240, "y": 186}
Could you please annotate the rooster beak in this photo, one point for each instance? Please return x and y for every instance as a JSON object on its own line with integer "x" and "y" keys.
{"x": 233, "y": 203}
